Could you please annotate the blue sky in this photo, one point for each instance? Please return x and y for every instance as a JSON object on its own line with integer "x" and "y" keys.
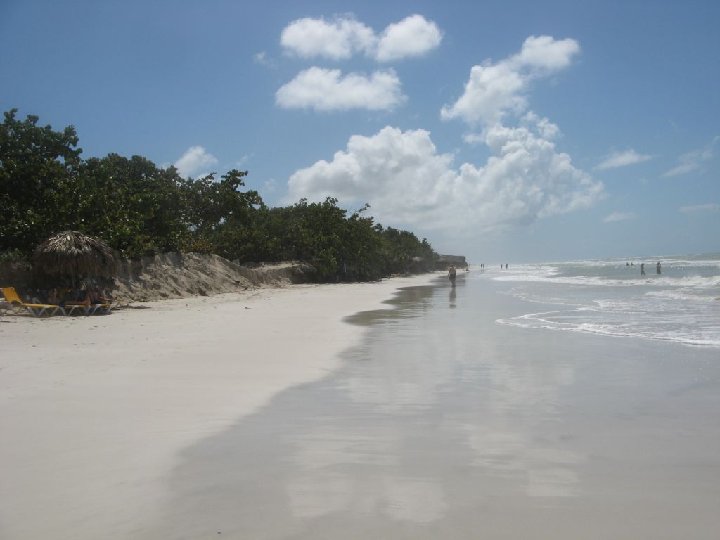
{"x": 502, "y": 130}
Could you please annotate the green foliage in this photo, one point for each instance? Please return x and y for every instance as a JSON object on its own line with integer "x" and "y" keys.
{"x": 12, "y": 256}
{"x": 139, "y": 208}
{"x": 221, "y": 218}
{"x": 37, "y": 169}
{"x": 405, "y": 253}
{"x": 131, "y": 204}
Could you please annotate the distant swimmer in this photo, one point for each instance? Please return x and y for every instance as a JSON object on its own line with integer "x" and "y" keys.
{"x": 658, "y": 268}
{"x": 642, "y": 269}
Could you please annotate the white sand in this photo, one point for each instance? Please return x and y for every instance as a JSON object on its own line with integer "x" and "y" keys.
{"x": 94, "y": 410}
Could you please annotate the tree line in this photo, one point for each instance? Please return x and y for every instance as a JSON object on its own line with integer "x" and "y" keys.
{"x": 140, "y": 209}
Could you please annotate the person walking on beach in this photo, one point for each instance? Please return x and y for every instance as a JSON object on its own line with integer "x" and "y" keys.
{"x": 452, "y": 273}
{"x": 657, "y": 268}
{"x": 642, "y": 269}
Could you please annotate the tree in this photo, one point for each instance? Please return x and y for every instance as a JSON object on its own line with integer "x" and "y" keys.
{"x": 221, "y": 217}
{"x": 38, "y": 168}
{"x": 138, "y": 209}
{"x": 135, "y": 206}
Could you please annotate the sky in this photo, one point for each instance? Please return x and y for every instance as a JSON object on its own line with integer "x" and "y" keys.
{"x": 505, "y": 131}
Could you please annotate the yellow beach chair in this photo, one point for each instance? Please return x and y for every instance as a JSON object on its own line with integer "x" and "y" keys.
{"x": 38, "y": 310}
{"x": 87, "y": 309}
{"x": 72, "y": 307}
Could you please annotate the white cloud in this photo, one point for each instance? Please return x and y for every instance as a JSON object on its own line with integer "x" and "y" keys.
{"x": 622, "y": 159}
{"x": 473, "y": 138}
{"x": 494, "y": 90}
{"x": 545, "y": 54}
{"x": 413, "y": 36}
{"x": 619, "y": 216}
{"x": 328, "y": 90}
{"x": 700, "y": 208}
{"x": 694, "y": 160}
{"x": 194, "y": 161}
{"x": 407, "y": 181}
{"x": 545, "y": 127}
{"x": 338, "y": 39}
{"x": 270, "y": 186}
{"x": 263, "y": 59}
{"x": 243, "y": 161}
{"x": 489, "y": 94}
{"x": 342, "y": 37}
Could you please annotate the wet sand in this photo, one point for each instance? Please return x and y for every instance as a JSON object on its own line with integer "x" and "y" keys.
{"x": 443, "y": 424}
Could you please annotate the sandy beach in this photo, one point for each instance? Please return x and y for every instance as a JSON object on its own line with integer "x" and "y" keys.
{"x": 94, "y": 410}
{"x": 440, "y": 415}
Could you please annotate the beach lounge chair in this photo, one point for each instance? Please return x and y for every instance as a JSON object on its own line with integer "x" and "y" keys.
{"x": 38, "y": 310}
{"x": 93, "y": 302}
{"x": 87, "y": 309}
{"x": 72, "y": 307}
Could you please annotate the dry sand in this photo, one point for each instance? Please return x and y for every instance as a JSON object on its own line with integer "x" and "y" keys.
{"x": 94, "y": 410}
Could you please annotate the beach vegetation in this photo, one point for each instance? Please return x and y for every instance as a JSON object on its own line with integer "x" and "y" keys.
{"x": 139, "y": 209}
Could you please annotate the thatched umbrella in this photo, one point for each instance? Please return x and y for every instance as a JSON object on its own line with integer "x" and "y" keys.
{"x": 75, "y": 255}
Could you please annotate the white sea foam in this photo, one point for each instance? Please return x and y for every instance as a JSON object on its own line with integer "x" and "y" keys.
{"x": 607, "y": 297}
{"x": 684, "y": 295}
{"x": 708, "y": 282}
{"x": 710, "y": 337}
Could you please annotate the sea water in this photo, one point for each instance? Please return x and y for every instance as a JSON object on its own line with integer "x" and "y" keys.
{"x": 610, "y": 297}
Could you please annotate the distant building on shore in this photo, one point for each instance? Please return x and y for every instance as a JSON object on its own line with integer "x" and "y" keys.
{"x": 446, "y": 260}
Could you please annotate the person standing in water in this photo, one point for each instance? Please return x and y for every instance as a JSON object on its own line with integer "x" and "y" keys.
{"x": 657, "y": 268}
{"x": 642, "y": 269}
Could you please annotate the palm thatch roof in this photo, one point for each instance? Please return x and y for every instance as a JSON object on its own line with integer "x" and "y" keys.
{"x": 76, "y": 255}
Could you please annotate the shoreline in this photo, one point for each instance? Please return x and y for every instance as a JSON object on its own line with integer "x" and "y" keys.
{"x": 442, "y": 422}
{"x": 95, "y": 410}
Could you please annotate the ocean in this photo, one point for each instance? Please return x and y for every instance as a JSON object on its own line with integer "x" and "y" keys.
{"x": 610, "y": 297}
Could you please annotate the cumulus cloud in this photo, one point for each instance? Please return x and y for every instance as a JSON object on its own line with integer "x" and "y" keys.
{"x": 494, "y": 90}
{"x": 194, "y": 161}
{"x": 405, "y": 180}
{"x": 622, "y": 159}
{"x": 694, "y": 160}
{"x": 413, "y": 36}
{"x": 545, "y": 55}
{"x": 619, "y": 216}
{"x": 338, "y": 39}
{"x": 343, "y": 37}
{"x": 700, "y": 208}
{"x": 330, "y": 90}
